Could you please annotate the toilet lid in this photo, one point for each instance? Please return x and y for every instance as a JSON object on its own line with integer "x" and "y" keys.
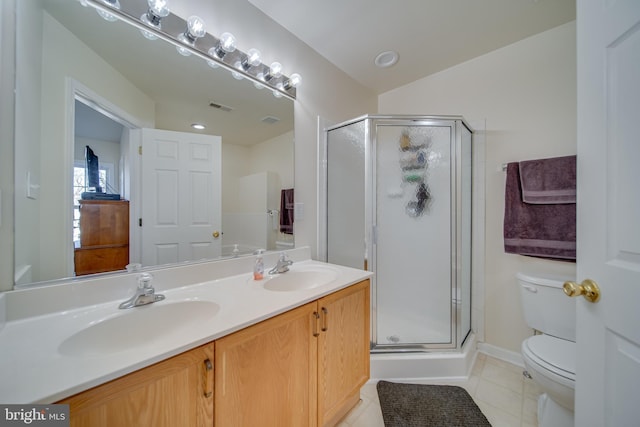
{"x": 554, "y": 354}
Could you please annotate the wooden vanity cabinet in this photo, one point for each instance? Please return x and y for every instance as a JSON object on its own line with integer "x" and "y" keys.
{"x": 302, "y": 368}
{"x": 263, "y": 372}
{"x": 175, "y": 392}
{"x": 343, "y": 351}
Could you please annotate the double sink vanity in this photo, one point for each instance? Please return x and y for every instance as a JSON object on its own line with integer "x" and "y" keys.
{"x": 219, "y": 349}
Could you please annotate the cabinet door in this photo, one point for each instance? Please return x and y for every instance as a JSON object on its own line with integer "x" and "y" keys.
{"x": 266, "y": 373}
{"x": 174, "y": 392}
{"x": 343, "y": 353}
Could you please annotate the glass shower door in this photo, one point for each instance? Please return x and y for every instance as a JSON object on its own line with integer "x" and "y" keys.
{"x": 414, "y": 230}
{"x": 398, "y": 200}
{"x": 346, "y": 195}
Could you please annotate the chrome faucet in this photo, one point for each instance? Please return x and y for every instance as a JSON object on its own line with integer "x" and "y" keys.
{"x": 145, "y": 293}
{"x": 282, "y": 266}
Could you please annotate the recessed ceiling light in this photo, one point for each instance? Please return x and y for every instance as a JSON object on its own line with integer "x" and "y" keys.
{"x": 198, "y": 126}
{"x": 386, "y": 59}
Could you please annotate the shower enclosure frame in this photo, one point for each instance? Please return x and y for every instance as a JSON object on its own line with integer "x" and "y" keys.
{"x": 458, "y": 332}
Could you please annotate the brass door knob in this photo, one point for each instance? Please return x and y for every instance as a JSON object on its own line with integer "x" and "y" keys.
{"x": 588, "y": 289}
{"x": 215, "y": 234}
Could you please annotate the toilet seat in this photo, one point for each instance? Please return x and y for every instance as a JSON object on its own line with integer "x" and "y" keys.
{"x": 553, "y": 355}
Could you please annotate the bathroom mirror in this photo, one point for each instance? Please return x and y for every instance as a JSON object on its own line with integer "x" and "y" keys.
{"x": 75, "y": 71}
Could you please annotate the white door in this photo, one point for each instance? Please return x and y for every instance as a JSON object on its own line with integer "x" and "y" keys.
{"x": 608, "y": 336}
{"x": 181, "y": 184}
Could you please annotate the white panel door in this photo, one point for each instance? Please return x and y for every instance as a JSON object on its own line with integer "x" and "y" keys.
{"x": 181, "y": 185}
{"x": 608, "y": 208}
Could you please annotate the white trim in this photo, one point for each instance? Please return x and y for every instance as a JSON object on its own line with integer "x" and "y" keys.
{"x": 76, "y": 90}
{"x": 321, "y": 153}
{"x": 478, "y": 224}
{"x": 501, "y": 353}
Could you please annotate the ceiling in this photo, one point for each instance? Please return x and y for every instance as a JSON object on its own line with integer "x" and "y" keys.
{"x": 429, "y": 35}
{"x": 184, "y": 90}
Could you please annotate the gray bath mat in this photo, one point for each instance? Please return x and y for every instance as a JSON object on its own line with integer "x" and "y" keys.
{"x": 419, "y": 405}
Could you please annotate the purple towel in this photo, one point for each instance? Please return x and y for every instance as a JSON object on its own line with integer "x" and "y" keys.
{"x": 540, "y": 230}
{"x": 549, "y": 181}
{"x": 286, "y": 211}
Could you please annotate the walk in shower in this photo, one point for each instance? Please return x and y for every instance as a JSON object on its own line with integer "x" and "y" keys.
{"x": 398, "y": 203}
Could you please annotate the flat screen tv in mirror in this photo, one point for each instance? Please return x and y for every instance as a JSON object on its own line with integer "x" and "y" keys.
{"x": 92, "y": 169}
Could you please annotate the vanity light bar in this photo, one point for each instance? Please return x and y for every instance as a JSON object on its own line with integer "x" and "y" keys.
{"x": 174, "y": 26}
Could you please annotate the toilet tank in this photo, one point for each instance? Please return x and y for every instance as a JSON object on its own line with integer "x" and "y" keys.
{"x": 546, "y": 308}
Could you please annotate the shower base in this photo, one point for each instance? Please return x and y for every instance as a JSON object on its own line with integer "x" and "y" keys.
{"x": 422, "y": 366}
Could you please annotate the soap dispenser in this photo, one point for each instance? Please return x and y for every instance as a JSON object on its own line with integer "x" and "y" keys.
{"x": 258, "y": 267}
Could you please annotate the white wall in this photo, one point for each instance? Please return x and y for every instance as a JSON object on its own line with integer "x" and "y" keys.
{"x": 526, "y": 92}
{"x": 7, "y": 73}
{"x": 234, "y": 167}
{"x": 27, "y": 142}
{"x": 275, "y": 154}
{"x": 244, "y": 165}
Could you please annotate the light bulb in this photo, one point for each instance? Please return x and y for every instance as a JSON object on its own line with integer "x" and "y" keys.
{"x": 183, "y": 50}
{"x": 252, "y": 59}
{"x": 276, "y": 93}
{"x": 148, "y": 35}
{"x": 258, "y": 85}
{"x": 275, "y": 71}
{"x": 210, "y": 62}
{"x": 236, "y": 75}
{"x": 158, "y": 9}
{"x": 195, "y": 27}
{"x": 294, "y": 81}
{"x": 115, "y": 4}
{"x": 195, "y": 30}
{"x": 227, "y": 42}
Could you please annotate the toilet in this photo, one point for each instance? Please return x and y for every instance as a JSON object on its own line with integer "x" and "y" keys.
{"x": 550, "y": 358}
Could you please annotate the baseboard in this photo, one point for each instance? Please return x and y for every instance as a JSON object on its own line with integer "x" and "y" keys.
{"x": 501, "y": 353}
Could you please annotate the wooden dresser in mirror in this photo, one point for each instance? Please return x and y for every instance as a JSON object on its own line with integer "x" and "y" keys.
{"x": 104, "y": 236}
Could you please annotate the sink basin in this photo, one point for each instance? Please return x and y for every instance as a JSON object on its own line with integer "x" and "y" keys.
{"x": 296, "y": 280}
{"x": 137, "y": 326}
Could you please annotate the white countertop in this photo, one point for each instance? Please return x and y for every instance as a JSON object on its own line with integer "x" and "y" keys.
{"x": 33, "y": 370}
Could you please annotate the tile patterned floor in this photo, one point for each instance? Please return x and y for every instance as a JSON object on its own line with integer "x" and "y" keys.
{"x": 505, "y": 397}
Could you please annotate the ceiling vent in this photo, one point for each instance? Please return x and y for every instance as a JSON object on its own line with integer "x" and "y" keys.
{"x": 270, "y": 120}
{"x": 222, "y": 107}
